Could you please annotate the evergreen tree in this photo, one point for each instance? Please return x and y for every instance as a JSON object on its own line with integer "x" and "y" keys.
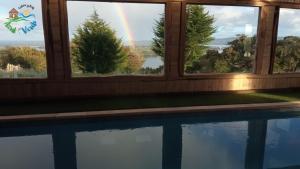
{"x": 95, "y": 47}
{"x": 158, "y": 44}
{"x": 198, "y": 34}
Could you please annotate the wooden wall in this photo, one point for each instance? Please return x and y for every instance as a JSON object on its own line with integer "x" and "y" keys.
{"x": 60, "y": 84}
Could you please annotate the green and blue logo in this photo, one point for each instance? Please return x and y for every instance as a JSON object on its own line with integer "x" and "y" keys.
{"x": 21, "y": 19}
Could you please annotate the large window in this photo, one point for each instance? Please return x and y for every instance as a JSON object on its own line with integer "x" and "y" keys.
{"x": 22, "y": 46}
{"x": 287, "y": 54}
{"x": 108, "y": 39}
{"x": 220, "y": 39}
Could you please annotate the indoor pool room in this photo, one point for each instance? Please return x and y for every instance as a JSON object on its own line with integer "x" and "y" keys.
{"x": 150, "y": 84}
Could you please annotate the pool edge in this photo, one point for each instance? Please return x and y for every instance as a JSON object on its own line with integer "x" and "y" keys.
{"x": 146, "y": 111}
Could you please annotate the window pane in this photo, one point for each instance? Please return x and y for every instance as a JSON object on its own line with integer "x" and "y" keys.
{"x": 115, "y": 149}
{"x": 22, "y": 46}
{"x": 219, "y": 145}
{"x": 287, "y": 55}
{"x": 220, "y": 39}
{"x": 108, "y": 39}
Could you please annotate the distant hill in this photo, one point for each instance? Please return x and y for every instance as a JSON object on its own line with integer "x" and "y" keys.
{"x": 215, "y": 42}
{"x": 223, "y": 41}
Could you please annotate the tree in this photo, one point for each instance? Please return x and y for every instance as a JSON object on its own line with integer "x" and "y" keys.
{"x": 26, "y": 57}
{"x": 96, "y": 49}
{"x": 134, "y": 61}
{"x": 240, "y": 55}
{"x": 287, "y": 55}
{"x": 158, "y": 43}
{"x": 199, "y": 32}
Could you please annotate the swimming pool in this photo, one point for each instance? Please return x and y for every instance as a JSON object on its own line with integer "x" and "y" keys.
{"x": 232, "y": 140}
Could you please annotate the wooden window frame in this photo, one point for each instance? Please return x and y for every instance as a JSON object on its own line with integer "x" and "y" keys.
{"x": 275, "y": 36}
{"x": 122, "y": 78}
{"x": 48, "y": 50}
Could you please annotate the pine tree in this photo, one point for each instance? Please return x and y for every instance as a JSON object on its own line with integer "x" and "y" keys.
{"x": 158, "y": 44}
{"x": 198, "y": 34}
{"x": 95, "y": 47}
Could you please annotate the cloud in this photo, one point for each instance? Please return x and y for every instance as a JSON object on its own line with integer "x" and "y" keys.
{"x": 289, "y": 22}
{"x": 233, "y": 20}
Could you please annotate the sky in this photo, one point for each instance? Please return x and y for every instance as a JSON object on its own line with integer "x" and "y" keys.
{"x": 229, "y": 21}
{"x": 289, "y": 22}
{"x": 136, "y": 20}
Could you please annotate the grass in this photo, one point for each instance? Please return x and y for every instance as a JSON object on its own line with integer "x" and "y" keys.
{"x": 113, "y": 103}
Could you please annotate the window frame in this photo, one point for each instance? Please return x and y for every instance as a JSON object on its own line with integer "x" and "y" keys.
{"x": 48, "y": 49}
{"x": 67, "y": 51}
{"x": 183, "y": 39}
{"x": 275, "y": 36}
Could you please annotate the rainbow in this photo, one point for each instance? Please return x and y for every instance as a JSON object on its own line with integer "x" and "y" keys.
{"x": 124, "y": 21}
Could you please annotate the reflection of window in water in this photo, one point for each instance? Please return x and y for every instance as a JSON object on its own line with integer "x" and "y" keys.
{"x": 133, "y": 148}
{"x": 26, "y": 152}
{"x": 282, "y": 143}
{"x": 204, "y": 144}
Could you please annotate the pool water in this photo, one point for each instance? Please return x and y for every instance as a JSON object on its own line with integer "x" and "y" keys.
{"x": 266, "y": 139}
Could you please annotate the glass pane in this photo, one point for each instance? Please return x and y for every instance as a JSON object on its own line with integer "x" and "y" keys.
{"x": 108, "y": 39}
{"x": 220, "y": 39}
{"x": 22, "y": 45}
{"x": 282, "y": 144}
{"x": 116, "y": 149}
{"x": 220, "y": 145}
{"x": 34, "y": 152}
{"x": 287, "y": 55}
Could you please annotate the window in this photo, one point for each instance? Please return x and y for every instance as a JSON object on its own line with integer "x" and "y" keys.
{"x": 287, "y": 53}
{"x": 108, "y": 39}
{"x": 22, "y": 44}
{"x": 220, "y": 39}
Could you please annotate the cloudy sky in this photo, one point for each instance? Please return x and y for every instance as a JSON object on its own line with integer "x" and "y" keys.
{"x": 229, "y": 20}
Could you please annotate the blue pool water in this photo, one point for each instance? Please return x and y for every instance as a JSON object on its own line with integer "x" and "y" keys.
{"x": 226, "y": 140}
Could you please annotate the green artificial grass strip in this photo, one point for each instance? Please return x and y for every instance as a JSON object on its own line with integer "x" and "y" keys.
{"x": 115, "y": 103}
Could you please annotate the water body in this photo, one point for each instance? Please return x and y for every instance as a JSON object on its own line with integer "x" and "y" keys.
{"x": 153, "y": 62}
{"x": 236, "y": 140}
